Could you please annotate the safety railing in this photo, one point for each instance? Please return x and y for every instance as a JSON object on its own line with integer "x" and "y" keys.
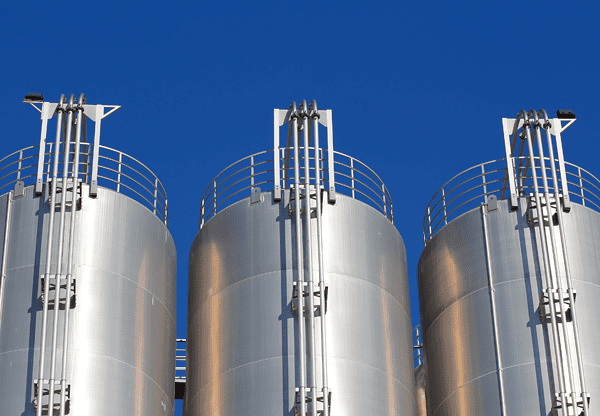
{"x": 417, "y": 346}
{"x": 236, "y": 181}
{"x": 471, "y": 187}
{"x": 116, "y": 170}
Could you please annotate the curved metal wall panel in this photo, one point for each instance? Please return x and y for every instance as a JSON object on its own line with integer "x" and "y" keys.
{"x": 121, "y": 345}
{"x": 456, "y": 312}
{"x": 242, "y": 336}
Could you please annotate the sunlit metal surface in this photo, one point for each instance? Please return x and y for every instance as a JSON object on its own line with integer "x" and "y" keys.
{"x": 457, "y": 319}
{"x": 471, "y": 187}
{"x": 241, "y": 332}
{"x": 122, "y": 328}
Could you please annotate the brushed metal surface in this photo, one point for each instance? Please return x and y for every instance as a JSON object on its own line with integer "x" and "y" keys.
{"x": 462, "y": 376}
{"x": 122, "y": 330}
{"x": 242, "y": 336}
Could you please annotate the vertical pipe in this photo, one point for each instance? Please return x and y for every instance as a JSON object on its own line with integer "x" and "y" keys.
{"x": 567, "y": 266}
{"x": 321, "y": 266}
{"x": 5, "y": 251}
{"x": 61, "y": 235}
{"x": 299, "y": 265}
{"x": 309, "y": 267}
{"x": 494, "y": 310}
{"x": 40, "y": 390}
{"x": 555, "y": 256}
{"x": 549, "y": 286}
{"x": 75, "y": 177}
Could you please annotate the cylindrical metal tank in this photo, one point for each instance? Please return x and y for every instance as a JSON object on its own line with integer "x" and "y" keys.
{"x": 242, "y": 335}
{"x": 486, "y": 328}
{"x": 121, "y": 324}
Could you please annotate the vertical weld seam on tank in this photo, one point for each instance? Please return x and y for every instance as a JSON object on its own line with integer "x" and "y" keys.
{"x": 494, "y": 313}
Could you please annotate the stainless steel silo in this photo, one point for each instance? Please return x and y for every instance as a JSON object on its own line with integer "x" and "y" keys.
{"x": 508, "y": 281}
{"x": 87, "y": 292}
{"x": 298, "y": 300}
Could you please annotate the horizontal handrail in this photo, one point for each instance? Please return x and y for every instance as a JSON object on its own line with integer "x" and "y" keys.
{"x": 353, "y": 177}
{"x": 116, "y": 170}
{"x": 472, "y": 186}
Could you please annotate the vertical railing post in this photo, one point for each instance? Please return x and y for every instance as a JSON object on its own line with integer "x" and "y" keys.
{"x": 352, "y": 176}
{"x": 19, "y": 166}
{"x": 48, "y": 173}
{"x": 383, "y": 199}
{"x": 444, "y": 206}
{"x": 429, "y": 220}
{"x": 155, "y": 193}
{"x": 251, "y": 174}
{"x": 484, "y": 183}
{"x": 580, "y": 186}
{"x": 214, "y": 197}
{"x": 202, "y": 213}
{"x": 119, "y": 168}
{"x": 166, "y": 212}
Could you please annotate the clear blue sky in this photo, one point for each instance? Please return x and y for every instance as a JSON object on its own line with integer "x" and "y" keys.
{"x": 417, "y": 88}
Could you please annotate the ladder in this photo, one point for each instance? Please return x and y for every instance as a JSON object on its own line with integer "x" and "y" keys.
{"x": 546, "y": 208}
